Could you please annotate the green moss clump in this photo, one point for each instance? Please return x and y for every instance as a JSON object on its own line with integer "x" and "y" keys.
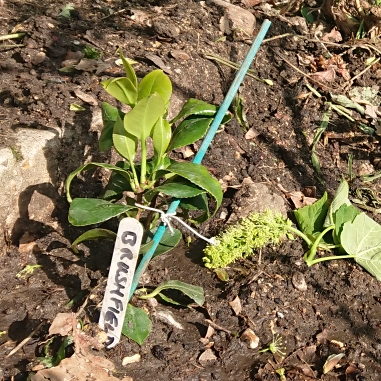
{"x": 253, "y": 232}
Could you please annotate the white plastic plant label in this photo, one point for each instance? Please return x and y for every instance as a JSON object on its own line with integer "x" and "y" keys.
{"x": 122, "y": 269}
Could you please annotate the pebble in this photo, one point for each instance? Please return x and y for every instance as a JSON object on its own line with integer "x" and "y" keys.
{"x": 250, "y": 338}
{"x": 299, "y": 281}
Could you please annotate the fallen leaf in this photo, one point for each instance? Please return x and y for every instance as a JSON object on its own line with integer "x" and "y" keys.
{"x": 299, "y": 199}
{"x": 333, "y": 36}
{"x": 251, "y": 133}
{"x": 326, "y": 75}
{"x": 159, "y": 63}
{"x": 207, "y": 356}
{"x": 85, "y": 97}
{"x": 180, "y": 55}
{"x": 331, "y": 362}
{"x": 236, "y": 305}
{"x": 371, "y": 111}
{"x": 62, "y": 324}
{"x": 209, "y": 332}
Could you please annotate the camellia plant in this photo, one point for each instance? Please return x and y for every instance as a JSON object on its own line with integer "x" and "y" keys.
{"x": 150, "y": 181}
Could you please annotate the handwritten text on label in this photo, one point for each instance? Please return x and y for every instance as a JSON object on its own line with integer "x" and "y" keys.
{"x": 123, "y": 263}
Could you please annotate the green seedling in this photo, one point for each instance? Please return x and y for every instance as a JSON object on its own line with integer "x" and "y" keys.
{"x": 50, "y": 360}
{"x": 27, "y": 271}
{"x": 2, "y": 333}
{"x": 275, "y": 347}
{"x": 65, "y": 11}
{"x": 153, "y": 181}
{"x": 91, "y": 53}
{"x": 353, "y": 234}
{"x": 281, "y": 372}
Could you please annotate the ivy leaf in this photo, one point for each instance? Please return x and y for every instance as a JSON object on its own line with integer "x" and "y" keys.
{"x": 189, "y": 131}
{"x": 91, "y": 235}
{"x": 136, "y": 325}
{"x": 155, "y": 82}
{"x": 311, "y": 218}
{"x": 362, "y": 238}
{"x": 198, "y": 175}
{"x": 124, "y": 142}
{"x": 89, "y": 211}
{"x": 122, "y": 89}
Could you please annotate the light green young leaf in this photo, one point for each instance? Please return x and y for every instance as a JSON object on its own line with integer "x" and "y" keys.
{"x": 142, "y": 118}
{"x": 76, "y": 108}
{"x": 92, "y": 234}
{"x": 311, "y": 218}
{"x": 155, "y": 82}
{"x": 88, "y": 166}
{"x": 346, "y": 102}
{"x": 136, "y": 325}
{"x": 130, "y": 72}
{"x": 362, "y": 238}
{"x": 199, "y": 175}
{"x": 341, "y": 198}
{"x": 122, "y": 89}
{"x": 161, "y": 136}
{"x": 89, "y": 211}
{"x": 346, "y": 213}
{"x": 124, "y": 142}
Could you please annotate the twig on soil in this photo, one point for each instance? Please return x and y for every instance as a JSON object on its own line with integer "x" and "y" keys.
{"x": 114, "y": 13}
{"x": 349, "y": 83}
{"x": 218, "y": 327}
{"x": 19, "y": 346}
{"x": 233, "y": 65}
{"x": 11, "y": 46}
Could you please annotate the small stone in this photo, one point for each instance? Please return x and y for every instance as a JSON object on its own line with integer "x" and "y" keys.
{"x": 131, "y": 359}
{"x": 38, "y": 58}
{"x": 299, "y": 281}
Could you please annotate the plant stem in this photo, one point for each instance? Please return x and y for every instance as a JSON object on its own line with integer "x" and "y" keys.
{"x": 11, "y": 36}
{"x": 309, "y": 258}
{"x": 143, "y": 168}
{"x": 148, "y": 296}
{"x": 136, "y": 181}
{"x": 300, "y": 234}
{"x": 330, "y": 258}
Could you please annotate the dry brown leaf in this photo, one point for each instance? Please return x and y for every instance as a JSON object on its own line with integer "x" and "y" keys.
{"x": 209, "y": 332}
{"x": 180, "y": 55}
{"x": 236, "y": 305}
{"x": 326, "y": 75}
{"x": 159, "y": 63}
{"x": 333, "y": 36}
{"x": 85, "y": 97}
{"x": 299, "y": 199}
{"x": 62, "y": 324}
{"x": 207, "y": 356}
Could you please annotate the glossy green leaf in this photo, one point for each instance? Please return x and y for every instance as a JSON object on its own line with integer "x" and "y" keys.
{"x": 136, "y": 325}
{"x": 161, "y": 136}
{"x": 195, "y": 107}
{"x": 199, "y": 202}
{"x": 88, "y": 166}
{"x": 199, "y": 175}
{"x": 89, "y": 211}
{"x": 189, "y": 131}
{"x": 155, "y": 82}
{"x": 122, "y": 89}
{"x": 124, "y": 142}
{"x": 91, "y": 235}
{"x": 307, "y": 14}
{"x": 142, "y": 118}
{"x": 115, "y": 187}
{"x": 179, "y": 188}
{"x": 130, "y": 72}
{"x": 109, "y": 117}
{"x": 362, "y": 238}
{"x": 311, "y": 218}
{"x": 167, "y": 242}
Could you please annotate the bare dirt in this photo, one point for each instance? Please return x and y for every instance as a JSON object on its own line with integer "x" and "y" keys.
{"x": 341, "y": 310}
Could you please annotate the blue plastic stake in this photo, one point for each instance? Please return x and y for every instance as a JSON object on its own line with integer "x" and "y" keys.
{"x": 205, "y": 144}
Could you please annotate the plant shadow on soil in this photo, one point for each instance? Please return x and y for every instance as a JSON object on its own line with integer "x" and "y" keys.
{"x": 342, "y": 302}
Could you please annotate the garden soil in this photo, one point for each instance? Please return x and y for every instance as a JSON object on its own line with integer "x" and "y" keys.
{"x": 339, "y": 310}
